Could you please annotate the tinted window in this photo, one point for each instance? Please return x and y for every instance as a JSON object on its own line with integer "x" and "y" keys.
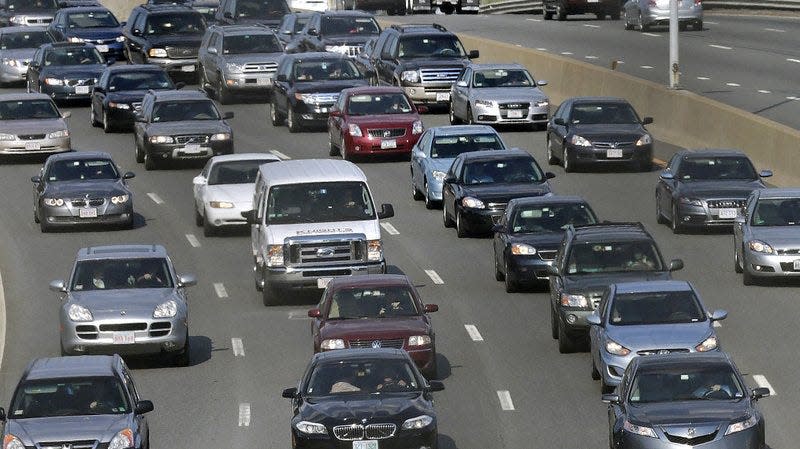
{"x": 319, "y": 202}
{"x": 502, "y": 78}
{"x": 28, "y": 109}
{"x": 722, "y": 167}
{"x": 656, "y": 308}
{"x": 362, "y": 377}
{"x": 33, "y": 39}
{"x": 260, "y": 9}
{"x": 777, "y": 212}
{"x": 550, "y": 217}
{"x": 424, "y": 46}
{"x": 81, "y": 170}
{"x": 349, "y": 26}
{"x": 613, "y": 256}
{"x": 69, "y": 397}
{"x": 235, "y": 172}
{"x": 72, "y": 56}
{"x": 372, "y": 302}
{"x": 452, "y": 146}
{"x": 185, "y": 110}
{"x": 175, "y": 24}
{"x": 143, "y": 80}
{"x": 111, "y": 274}
{"x": 516, "y": 170}
{"x": 325, "y": 70}
{"x": 685, "y": 383}
{"x": 94, "y": 19}
{"x": 603, "y": 113}
{"x": 371, "y": 104}
{"x": 251, "y": 43}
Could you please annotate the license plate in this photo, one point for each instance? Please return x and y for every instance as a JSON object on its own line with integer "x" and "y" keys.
{"x": 388, "y": 144}
{"x": 264, "y": 81}
{"x": 323, "y": 282}
{"x": 796, "y": 265}
{"x": 443, "y": 96}
{"x": 366, "y": 444}
{"x": 124, "y": 338}
{"x": 33, "y": 145}
{"x": 87, "y": 213}
{"x": 192, "y": 148}
{"x": 515, "y": 113}
{"x": 614, "y": 153}
{"x": 102, "y": 48}
{"x": 728, "y": 213}
{"x": 323, "y": 110}
{"x": 188, "y": 68}
{"x": 81, "y": 89}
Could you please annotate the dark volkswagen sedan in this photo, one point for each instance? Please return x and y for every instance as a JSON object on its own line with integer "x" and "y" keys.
{"x": 705, "y": 188}
{"x": 685, "y": 400}
{"x": 363, "y": 399}
{"x": 119, "y": 92}
{"x": 65, "y": 71}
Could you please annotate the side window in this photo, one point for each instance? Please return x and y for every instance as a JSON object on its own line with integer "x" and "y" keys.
{"x": 103, "y": 79}
{"x": 455, "y": 169}
{"x": 424, "y": 142}
{"x": 139, "y": 24}
{"x": 674, "y": 163}
{"x": 262, "y": 204}
{"x": 340, "y": 102}
{"x": 561, "y": 254}
{"x": 562, "y": 110}
{"x": 286, "y": 24}
{"x": 38, "y": 56}
{"x": 206, "y": 170}
{"x": 386, "y": 51}
{"x": 467, "y": 76}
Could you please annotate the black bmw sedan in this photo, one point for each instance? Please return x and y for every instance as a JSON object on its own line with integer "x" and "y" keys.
{"x": 363, "y": 399}
{"x": 117, "y": 96}
{"x": 65, "y": 70}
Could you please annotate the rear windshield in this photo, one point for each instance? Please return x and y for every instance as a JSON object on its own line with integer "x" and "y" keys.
{"x": 448, "y": 147}
{"x": 82, "y": 170}
{"x": 656, "y": 308}
{"x": 235, "y": 172}
{"x": 319, "y": 202}
{"x": 349, "y": 26}
{"x": 606, "y": 257}
{"x": 113, "y": 274}
{"x": 143, "y": 80}
{"x": 69, "y": 397}
{"x": 28, "y": 109}
{"x": 93, "y": 19}
{"x": 603, "y": 114}
{"x": 718, "y": 168}
{"x": 510, "y": 171}
{"x": 251, "y": 43}
{"x": 551, "y": 217}
{"x": 777, "y": 212}
{"x": 261, "y": 9}
{"x": 25, "y": 39}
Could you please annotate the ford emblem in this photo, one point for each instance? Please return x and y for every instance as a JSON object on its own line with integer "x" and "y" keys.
{"x": 325, "y": 252}
{"x": 376, "y": 344}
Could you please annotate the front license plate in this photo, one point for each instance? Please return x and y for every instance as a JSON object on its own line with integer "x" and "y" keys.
{"x": 515, "y": 113}
{"x": 614, "y": 153}
{"x": 102, "y": 48}
{"x": 81, "y": 89}
{"x": 192, "y": 148}
{"x": 728, "y": 213}
{"x": 323, "y": 282}
{"x": 87, "y": 213}
{"x": 188, "y": 68}
{"x": 124, "y": 338}
{"x": 366, "y": 444}
{"x": 796, "y": 265}
{"x": 264, "y": 81}
{"x": 388, "y": 144}
{"x": 33, "y": 145}
{"x": 443, "y": 96}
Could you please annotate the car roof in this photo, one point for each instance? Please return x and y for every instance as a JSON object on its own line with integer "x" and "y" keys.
{"x": 121, "y": 251}
{"x": 372, "y": 280}
{"x": 134, "y": 68}
{"x": 86, "y": 8}
{"x": 23, "y": 96}
{"x": 420, "y": 28}
{"x": 603, "y": 232}
{"x": 657, "y": 362}
{"x": 299, "y": 171}
{"x": 360, "y": 354}
{"x": 788, "y": 192}
{"x": 457, "y": 130}
{"x": 494, "y": 154}
{"x": 653, "y": 286}
{"x": 74, "y": 366}
{"x": 21, "y": 29}
{"x": 711, "y": 152}
{"x": 79, "y": 155}
{"x": 315, "y": 56}
{"x": 345, "y": 12}
{"x": 167, "y": 7}
{"x": 546, "y": 199}
{"x": 168, "y": 95}
{"x": 498, "y": 66}
{"x": 244, "y": 157}
{"x": 373, "y": 90}
{"x": 597, "y": 100}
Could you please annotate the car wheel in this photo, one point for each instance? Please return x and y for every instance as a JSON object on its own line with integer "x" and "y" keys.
{"x": 416, "y": 195}
{"x": 209, "y": 230}
{"x": 453, "y": 119}
{"x": 223, "y": 96}
{"x": 551, "y": 158}
{"x": 92, "y": 117}
{"x": 333, "y": 150}
{"x": 674, "y": 222}
{"x": 628, "y": 24}
{"x": 343, "y": 151}
{"x": 64, "y": 353}
{"x": 107, "y": 125}
{"x": 569, "y": 164}
{"x": 553, "y": 323}
{"x": 138, "y": 154}
{"x": 737, "y": 262}
{"x": 204, "y": 84}
{"x": 747, "y": 278}
{"x": 511, "y": 285}
{"x": 643, "y": 26}
{"x": 561, "y": 12}
{"x": 258, "y": 274}
{"x": 566, "y": 344}
{"x": 470, "y": 119}
{"x": 274, "y": 117}
{"x": 35, "y": 216}
{"x": 601, "y": 16}
{"x": 292, "y": 123}
{"x": 660, "y": 219}
{"x": 184, "y": 358}
{"x": 269, "y": 296}
{"x": 446, "y": 220}
{"x": 461, "y": 230}
{"x": 698, "y": 25}
{"x": 429, "y": 203}
{"x": 498, "y": 275}
{"x": 149, "y": 162}
{"x": 595, "y": 373}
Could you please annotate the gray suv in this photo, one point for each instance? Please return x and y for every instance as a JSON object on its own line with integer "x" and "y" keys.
{"x": 125, "y": 299}
{"x": 55, "y": 394}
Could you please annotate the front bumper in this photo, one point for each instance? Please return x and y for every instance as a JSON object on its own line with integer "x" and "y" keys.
{"x": 105, "y": 214}
{"x": 42, "y": 146}
{"x": 220, "y": 217}
{"x": 62, "y": 92}
{"x": 661, "y": 16}
{"x": 702, "y": 216}
{"x": 403, "y": 439}
{"x": 97, "y": 337}
{"x": 187, "y": 66}
{"x": 376, "y": 145}
{"x": 528, "y": 268}
{"x": 574, "y": 320}
{"x": 438, "y": 93}
{"x": 745, "y": 439}
{"x": 434, "y": 188}
{"x": 480, "y": 220}
{"x": 505, "y": 116}
{"x": 771, "y": 265}
{"x": 177, "y": 152}
{"x": 250, "y": 82}
{"x": 121, "y": 117}
{"x": 288, "y": 278}
{"x": 630, "y": 154}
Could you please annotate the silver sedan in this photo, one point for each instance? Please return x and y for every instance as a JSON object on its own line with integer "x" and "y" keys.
{"x": 31, "y": 124}
{"x": 645, "y": 14}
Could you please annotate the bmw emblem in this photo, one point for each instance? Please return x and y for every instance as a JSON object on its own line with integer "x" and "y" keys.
{"x": 376, "y": 344}
{"x": 663, "y": 351}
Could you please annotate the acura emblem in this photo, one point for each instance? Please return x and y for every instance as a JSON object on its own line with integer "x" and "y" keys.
{"x": 325, "y": 252}
{"x": 376, "y": 344}
{"x": 691, "y": 431}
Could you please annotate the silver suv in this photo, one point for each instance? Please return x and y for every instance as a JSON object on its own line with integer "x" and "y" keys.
{"x": 76, "y": 402}
{"x": 125, "y": 299}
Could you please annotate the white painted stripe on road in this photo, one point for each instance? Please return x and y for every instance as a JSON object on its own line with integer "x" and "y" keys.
{"x": 717, "y": 324}
{"x": 518, "y": 45}
{"x": 566, "y": 53}
{"x": 646, "y": 66}
{"x": 793, "y": 60}
{"x": 774, "y": 30}
{"x": 244, "y": 414}
{"x": 703, "y": 78}
{"x": 762, "y": 381}
{"x": 156, "y": 199}
{"x": 721, "y": 47}
{"x": 298, "y": 315}
{"x": 193, "y": 240}
{"x": 434, "y": 276}
{"x": 590, "y": 57}
{"x": 591, "y": 26}
{"x": 792, "y": 98}
{"x": 238, "y": 347}
{"x": 653, "y": 35}
{"x": 534, "y": 20}
{"x": 505, "y": 400}
{"x": 542, "y": 49}
{"x": 389, "y": 228}
{"x": 473, "y": 332}
{"x": 733, "y": 84}
{"x": 712, "y": 23}
{"x": 762, "y": 91}
{"x": 219, "y": 287}
{"x": 279, "y": 154}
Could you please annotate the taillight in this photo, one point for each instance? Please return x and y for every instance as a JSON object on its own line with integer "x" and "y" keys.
{"x": 698, "y": 2}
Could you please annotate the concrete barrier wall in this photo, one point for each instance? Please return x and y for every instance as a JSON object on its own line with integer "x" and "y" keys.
{"x": 121, "y": 8}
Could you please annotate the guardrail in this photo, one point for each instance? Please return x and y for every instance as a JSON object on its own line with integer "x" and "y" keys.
{"x": 528, "y": 6}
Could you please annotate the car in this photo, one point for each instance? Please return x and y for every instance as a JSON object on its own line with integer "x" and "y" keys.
{"x": 685, "y": 400}
{"x": 176, "y": 125}
{"x": 32, "y": 124}
{"x": 479, "y": 185}
{"x": 251, "y": 12}
{"x": 705, "y": 188}
{"x": 125, "y": 299}
{"x": 362, "y": 397}
{"x": 645, "y": 318}
{"x": 528, "y": 235}
{"x": 308, "y": 85}
{"x": 560, "y": 9}
{"x": 648, "y": 14}
{"x": 93, "y": 24}
{"x": 291, "y": 24}
{"x": 239, "y": 60}
{"x": 27, "y": 12}
{"x": 65, "y": 70}
{"x": 98, "y": 391}
{"x": 766, "y": 236}
{"x": 589, "y": 259}
{"x": 380, "y": 310}
{"x": 208, "y": 8}
{"x": 373, "y": 121}
{"x": 598, "y": 131}
{"x": 17, "y": 46}
{"x": 225, "y": 188}
{"x": 435, "y": 152}
{"x": 79, "y": 189}
{"x": 118, "y": 94}
{"x": 362, "y": 58}
{"x": 343, "y": 32}
{"x": 498, "y": 94}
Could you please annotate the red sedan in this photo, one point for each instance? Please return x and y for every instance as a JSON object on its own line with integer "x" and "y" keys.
{"x": 375, "y": 311}
{"x": 373, "y": 120}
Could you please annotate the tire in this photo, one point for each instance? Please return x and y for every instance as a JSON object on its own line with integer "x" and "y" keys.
{"x": 223, "y": 96}
{"x": 343, "y": 151}
{"x": 660, "y": 219}
{"x": 291, "y": 122}
{"x": 643, "y": 26}
{"x": 138, "y": 154}
{"x": 566, "y": 345}
{"x": 184, "y": 358}
{"x": 737, "y": 265}
{"x": 551, "y": 158}
{"x": 561, "y": 12}
{"x": 107, "y": 126}
{"x": 446, "y": 220}
{"x": 748, "y": 279}
{"x": 208, "y": 229}
{"x": 35, "y": 216}
{"x": 453, "y": 119}
{"x": 429, "y": 203}
{"x": 274, "y": 116}
{"x": 511, "y": 285}
{"x": 548, "y": 15}
{"x": 673, "y": 222}
{"x": 149, "y": 163}
{"x": 198, "y": 219}
{"x": 203, "y": 79}
{"x": 333, "y": 150}
{"x": 269, "y": 296}
{"x": 595, "y": 373}
{"x": 698, "y": 25}
{"x": 569, "y": 165}
{"x": 461, "y": 231}
{"x": 498, "y": 275}
{"x": 258, "y": 276}
{"x": 628, "y": 25}
{"x": 553, "y": 324}
{"x": 416, "y": 195}
{"x": 470, "y": 120}
{"x": 92, "y": 120}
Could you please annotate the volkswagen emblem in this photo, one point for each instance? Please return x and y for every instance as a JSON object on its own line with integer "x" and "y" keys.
{"x": 387, "y": 133}
{"x": 376, "y": 344}
{"x": 326, "y": 252}
{"x": 691, "y": 431}
{"x": 663, "y": 351}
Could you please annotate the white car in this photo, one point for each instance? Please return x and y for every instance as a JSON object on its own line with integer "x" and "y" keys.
{"x": 224, "y": 189}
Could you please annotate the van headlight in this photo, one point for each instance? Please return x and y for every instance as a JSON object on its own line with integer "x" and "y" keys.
{"x": 709, "y": 344}
{"x": 612, "y": 347}
{"x": 12, "y": 442}
{"x": 374, "y": 250}
{"x": 167, "y": 309}
{"x": 410, "y": 76}
{"x": 275, "y": 255}
{"x": 77, "y": 312}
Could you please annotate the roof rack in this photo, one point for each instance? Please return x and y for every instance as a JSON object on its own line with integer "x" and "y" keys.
{"x": 407, "y": 26}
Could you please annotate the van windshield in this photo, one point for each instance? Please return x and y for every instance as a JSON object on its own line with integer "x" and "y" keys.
{"x": 319, "y": 202}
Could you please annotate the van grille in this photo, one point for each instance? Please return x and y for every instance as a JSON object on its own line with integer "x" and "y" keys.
{"x": 326, "y": 252}
{"x": 440, "y": 75}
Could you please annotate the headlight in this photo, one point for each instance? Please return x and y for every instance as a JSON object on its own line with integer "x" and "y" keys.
{"x": 485, "y": 103}
{"x": 54, "y": 81}
{"x": 579, "y": 141}
{"x": 354, "y": 130}
{"x": 157, "y": 53}
{"x": 161, "y": 139}
{"x": 760, "y": 247}
{"x": 691, "y": 201}
{"x": 167, "y": 309}
{"x": 79, "y": 313}
{"x": 522, "y": 249}
{"x": 568, "y": 300}
{"x": 417, "y": 127}
{"x": 58, "y": 134}
{"x": 417, "y": 423}
{"x": 438, "y": 175}
{"x": 220, "y": 136}
{"x": 120, "y": 39}
{"x": 55, "y": 202}
{"x": 221, "y": 204}
{"x": 310, "y": 428}
{"x": 234, "y": 68}
{"x": 12, "y": 442}
{"x": 12, "y": 62}
{"x": 541, "y": 104}
{"x": 639, "y": 430}
{"x": 612, "y": 347}
{"x": 75, "y": 39}
{"x": 305, "y": 98}
{"x": 374, "y": 250}
{"x": 644, "y": 140}
{"x": 17, "y": 19}
{"x": 742, "y": 425}
{"x": 334, "y": 48}
{"x": 114, "y": 105}
{"x": 472, "y": 203}
{"x": 119, "y": 199}
{"x": 4, "y": 136}
{"x": 709, "y": 344}
{"x": 274, "y": 255}
{"x": 332, "y": 343}
{"x": 411, "y": 76}
{"x": 122, "y": 440}
{"x": 419, "y": 340}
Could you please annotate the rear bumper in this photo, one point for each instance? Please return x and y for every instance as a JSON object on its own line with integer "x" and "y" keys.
{"x": 283, "y": 278}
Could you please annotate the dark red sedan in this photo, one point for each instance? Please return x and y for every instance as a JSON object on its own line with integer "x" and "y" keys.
{"x": 373, "y": 120}
{"x": 375, "y": 311}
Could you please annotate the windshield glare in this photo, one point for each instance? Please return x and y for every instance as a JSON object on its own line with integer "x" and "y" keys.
{"x": 114, "y": 274}
{"x": 348, "y": 26}
{"x": 260, "y": 9}
{"x": 185, "y": 110}
{"x": 251, "y": 43}
{"x": 72, "y": 56}
{"x": 516, "y": 170}
{"x": 550, "y": 217}
{"x": 423, "y": 47}
{"x": 608, "y": 257}
{"x": 603, "y": 114}
{"x": 28, "y": 109}
{"x": 448, "y": 147}
{"x": 139, "y": 81}
{"x": 94, "y": 19}
{"x": 656, "y": 308}
{"x": 325, "y": 70}
{"x": 82, "y": 170}
{"x": 717, "y": 168}
{"x": 235, "y": 172}
{"x": 715, "y": 382}
{"x": 362, "y": 377}
{"x": 319, "y": 202}
{"x": 160, "y": 24}
{"x": 777, "y": 212}
{"x": 33, "y": 39}
{"x": 372, "y": 302}
{"x": 69, "y": 397}
{"x": 503, "y": 78}
{"x": 372, "y": 104}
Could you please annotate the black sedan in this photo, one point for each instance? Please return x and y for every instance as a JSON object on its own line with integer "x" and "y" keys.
{"x": 598, "y": 131}
{"x": 363, "y": 399}
{"x": 81, "y": 188}
{"x": 705, "y": 188}
{"x": 527, "y": 238}
{"x": 118, "y": 94}
{"x": 685, "y": 400}
{"x": 65, "y": 71}
{"x": 480, "y": 184}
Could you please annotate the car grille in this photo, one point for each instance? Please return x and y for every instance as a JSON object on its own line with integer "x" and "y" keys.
{"x": 548, "y": 254}
{"x": 691, "y": 441}
{"x": 497, "y": 206}
{"x": 102, "y": 41}
{"x": 371, "y": 431}
{"x": 90, "y": 332}
{"x": 80, "y": 444}
{"x": 662, "y": 351}
{"x": 38, "y": 21}
{"x": 386, "y": 132}
{"x": 192, "y": 138}
{"x": 322, "y": 252}
{"x": 725, "y": 204}
{"x": 394, "y": 343}
{"x": 80, "y": 82}
{"x": 788, "y": 251}
{"x": 181, "y": 52}
{"x": 514, "y": 106}
{"x": 30, "y": 136}
{"x": 260, "y": 67}
{"x": 788, "y": 267}
{"x": 612, "y": 144}
{"x": 443, "y": 75}
{"x": 123, "y": 327}
{"x": 160, "y": 329}
{"x": 84, "y": 202}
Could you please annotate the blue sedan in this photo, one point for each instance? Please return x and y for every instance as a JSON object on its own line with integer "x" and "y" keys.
{"x": 91, "y": 24}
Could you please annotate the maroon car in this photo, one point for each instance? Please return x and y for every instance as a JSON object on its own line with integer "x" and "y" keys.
{"x": 376, "y": 311}
{"x": 373, "y": 120}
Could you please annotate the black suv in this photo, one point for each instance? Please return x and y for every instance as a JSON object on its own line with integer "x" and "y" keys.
{"x": 343, "y": 32}
{"x": 589, "y": 259}
{"x": 424, "y": 59}
{"x": 252, "y": 12}
{"x": 167, "y": 35}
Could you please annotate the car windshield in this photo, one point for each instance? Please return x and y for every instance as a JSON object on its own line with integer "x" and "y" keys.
{"x": 116, "y": 274}
{"x": 160, "y": 24}
{"x": 28, "y": 109}
{"x": 373, "y": 104}
{"x": 325, "y": 70}
{"x": 502, "y": 78}
{"x": 261, "y": 9}
{"x": 716, "y": 168}
{"x": 24, "y": 39}
{"x": 235, "y": 172}
{"x": 251, "y": 43}
{"x": 72, "y": 56}
{"x": 81, "y": 170}
{"x": 686, "y": 383}
{"x": 656, "y": 308}
{"x": 376, "y": 376}
{"x": 31, "y": 5}
{"x": 348, "y": 26}
{"x": 69, "y": 397}
{"x": 93, "y": 19}
{"x": 141, "y": 80}
{"x": 319, "y": 202}
{"x": 372, "y": 302}
{"x": 550, "y": 217}
{"x": 777, "y": 212}
{"x": 512, "y": 170}
{"x": 448, "y": 147}
{"x": 605, "y": 257}
{"x": 177, "y": 111}
{"x": 603, "y": 114}
{"x": 427, "y": 46}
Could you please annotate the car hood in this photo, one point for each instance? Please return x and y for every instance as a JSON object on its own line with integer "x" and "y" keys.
{"x": 23, "y": 54}
{"x": 374, "y": 408}
{"x": 627, "y": 133}
{"x": 309, "y": 87}
{"x": 501, "y": 192}
{"x": 34, "y": 126}
{"x": 96, "y": 33}
{"x": 432, "y": 63}
{"x": 73, "y": 71}
{"x": 672, "y": 415}
{"x": 70, "y": 189}
{"x": 347, "y": 40}
{"x": 541, "y": 240}
{"x": 368, "y": 228}
{"x": 660, "y": 336}
{"x": 241, "y": 194}
{"x": 188, "y": 127}
{"x": 126, "y": 96}
{"x": 596, "y": 282}
{"x": 132, "y": 300}
{"x": 375, "y": 328}
{"x": 384, "y": 120}
{"x": 190, "y": 40}
{"x": 252, "y": 58}
{"x": 727, "y": 189}
{"x": 521, "y": 94}
{"x": 67, "y": 428}
{"x": 779, "y": 236}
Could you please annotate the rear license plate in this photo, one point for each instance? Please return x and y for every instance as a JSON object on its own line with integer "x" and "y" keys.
{"x": 102, "y": 48}
{"x": 33, "y": 145}
{"x": 728, "y": 213}
{"x": 515, "y": 113}
{"x": 264, "y": 81}
{"x": 81, "y": 89}
{"x": 124, "y": 338}
{"x": 187, "y": 68}
{"x": 388, "y": 144}
{"x": 367, "y": 444}
{"x": 323, "y": 282}
{"x": 796, "y": 265}
{"x": 192, "y": 148}
{"x": 87, "y": 213}
{"x": 443, "y": 96}
{"x": 614, "y": 153}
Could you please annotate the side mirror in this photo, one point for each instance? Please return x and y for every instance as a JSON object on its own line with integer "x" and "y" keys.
{"x": 422, "y": 109}
{"x": 111, "y": 61}
{"x": 647, "y": 120}
{"x": 314, "y": 313}
{"x": 594, "y": 319}
{"x": 474, "y": 54}
{"x": 98, "y": 89}
{"x": 136, "y": 32}
{"x": 675, "y": 265}
{"x": 765, "y": 173}
{"x": 559, "y": 121}
{"x": 66, "y": 114}
{"x": 718, "y": 315}
{"x": 199, "y": 180}
{"x": 129, "y": 175}
{"x": 387, "y": 211}
{"x": 180, "y": 85}
{"x": 227, "y": 15}
{"x": 552, "y": 270}
{"x": 739, "y": 220}
{"x": 282, "y": 78}
{"x": 250, "y": 216}
{"x": 212, "y": 50}
{"x": 461, "y": 83}
{"x": 290, "y": 393}
{"x": 143, "y": 407}
{"x": 138, "y": 117}
{"x": 227, "y": 115}
{"x": 187, "y": 280}
{"x": 667, "y": 175}
{"x": 760, "y": 392}
{"x": 312, "y": 32}
{"x": 611, "y": 398}
{"x": 549, "y": 175}
{"x": 36, "y": 179}
{"x": 58, "y": 286}
{"x": 435, "y": 385}
{"x": 541, "y": 83}
{"x": 287, "y": 32}
{"x": 430, "y": 308}
{"x": 123, "y": 23}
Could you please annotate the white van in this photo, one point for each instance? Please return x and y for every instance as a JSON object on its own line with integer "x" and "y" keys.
{"x": 313, "y": 219}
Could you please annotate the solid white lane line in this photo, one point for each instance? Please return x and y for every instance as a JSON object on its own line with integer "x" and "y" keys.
{"x": 721, "y": 47}
{"x": 505, "y": 400}
{"x": 219, "y": 287}
{"x": 762, "y": 91}
{"x": 590, "y": 57}
{"x": 653, "y": 35}
{"x": 717, "y": 324}
{"x": 298, "y": 315}
{"x": 703, "y": 78}
{"x": 389, "y": 228}
{"x": 646, "y": 66}
{"x": 733, "y": 84}
{"x": 774, "y": 30}
{"x": 238, "y": 347}
{"x": 244, "y": 414}
{"x": 793, "y": 60}
{"x": 473, "y": 332}
{"x": 434, "y": 276}
{"x": 193, "y": 240}
{"x": 566, "y": 53}
{"x": 279, "y": 154}
{"x": 791, "y": 98}
{"x": 156, "y": 199}
{"x": 762, "y": 381}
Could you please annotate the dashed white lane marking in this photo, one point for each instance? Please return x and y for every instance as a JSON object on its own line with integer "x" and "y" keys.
{"x": 712, "y": 23}
{"x": 238, "y": 347}
{"x": 792, "y": 98}
{"x": 193, "y": 240}
{"x": 542, "y": 49}
{"x": 389, "y": 228}
{"x": 566, "y": 53}
{"x": 774, "y": 30}
{"x": 591, "y": 26}
{"x": 434, "y": 276}
{"x": 244, "y": 414}
{"x": 505, "y": 400}
{"x": 793, "y": 60}
{"x": 703, "y": 78}
{"x": 590, "y": 57}
{"x": 279, "y": 154}
{"x": 473, "y": 332}
{"x": 653, "y": 35}
{"x": 733, "y": 84}
{"x": 646, "y": 66}
{"x": 219, "y": 288}
{"x": 518, "y": 45}
{"x": 717, "y": 324}
{"x": 762, "y": 381}
{"x": 298, "y": 315}
{"x": 156, "y": 199}
{"x": 534, "y": 20}
{"x": 721, "y": 47}
{"x": 763, "y": 91}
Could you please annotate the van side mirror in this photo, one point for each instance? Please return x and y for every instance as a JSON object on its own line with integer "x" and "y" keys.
{"x": 435, "y": 385}
{"x": 765, "y": 173}
{"x": 387, "y": 211}
{"x": 675, "y": 265}
{"x": 449, "y": 179}
{"x": 559, "y": 121}
{"x": 66, "y": 114}
{"x": 760, "y": 392}
{"x": 143, "y": 407}
{"x": 250, "y": 216}
{"x": 58, "y": 286}
{"x": 111, "y": 61}
{"x": 430, "y": 308}
{"x": 461, "y": 83}
{"x": 647, "y": 120}
{"x": 474, "y": 54}
{"x": 290, "y": 393}
{"x": 314, "y": 313}
{"x": 199, "y": 180}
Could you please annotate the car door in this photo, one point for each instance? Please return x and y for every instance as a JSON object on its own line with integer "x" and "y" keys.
{"x": 134, "y": 40}
{"x": 596, "y": 332}
{"x": 140, "y": 126}
{"x": 418, "y": 158}
{"x": 281, "y": 88}
{"x": 98, "y": 97}
{"x": 38, "y": 189}
{"x": 34, "y": 69}
{"x": 449, "y": 188}
{"x": 212, "y": 65}
{"x": 460, "y": 93}
{"x": 337, "y": 123}
{"x": 386, "y": 63}
{"x": 558, "y": 133}
{"x": 57, "y": 27}
{"x": 318, "y": 322}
